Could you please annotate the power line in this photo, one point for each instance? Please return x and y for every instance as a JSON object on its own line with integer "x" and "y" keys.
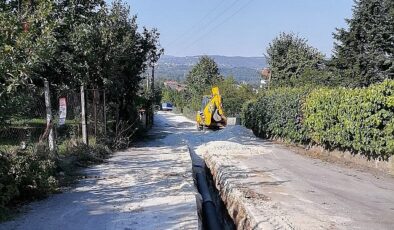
{"x": 223, "y": 12}
{"x": 221, "y": 23}
{"x": 198, "y": 24}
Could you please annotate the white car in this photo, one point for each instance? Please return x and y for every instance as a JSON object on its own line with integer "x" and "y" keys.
{"x": 166, "y": 106}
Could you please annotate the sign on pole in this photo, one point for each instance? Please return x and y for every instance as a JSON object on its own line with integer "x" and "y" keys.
{"x": 62, "y": 110}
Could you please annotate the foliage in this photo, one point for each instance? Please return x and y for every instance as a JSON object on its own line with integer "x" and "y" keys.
{"x": 85, "y": 155}
{"x": 361, "y": 120}
{"x": 33, "y": 170}
{"x": 27, "y": 42}
{"x": 25, "y": 174}
{"x": 71, "y": 43}
{"x": 177, "y": 98}
{"x": 278, "y": 113}
{"x": 248, "y": 114}
{"x": 234, "y": 95}
{"x": 289, "y": 56}
{"x": 364, "y": 53}
{"x": 200, "y": 79}
{"x": 8, "y": 187}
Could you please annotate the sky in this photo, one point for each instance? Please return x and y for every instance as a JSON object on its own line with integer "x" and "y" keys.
{"x": 239, "y": 27}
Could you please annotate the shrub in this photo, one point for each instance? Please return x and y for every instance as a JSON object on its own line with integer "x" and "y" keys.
{"x": 34, "y": 170}
{"x": 25, "y": 174}
{"x": 84, "y": 155}
{"x": 361, "y": 120}
{"x": 247, "y": 114}
{"x": 278, "y": 113}
{"x": 8, "y": 187}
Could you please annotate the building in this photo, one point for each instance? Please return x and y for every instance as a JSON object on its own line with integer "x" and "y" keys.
{"x": 174, "y": 85}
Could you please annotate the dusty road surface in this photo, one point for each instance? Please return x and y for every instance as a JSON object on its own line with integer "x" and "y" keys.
{"x": 270, "y": 187}
{"x": 145, "y": 187}
{"x": 265, "y": 186}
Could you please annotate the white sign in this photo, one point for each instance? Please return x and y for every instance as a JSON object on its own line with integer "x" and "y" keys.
{"x": 62, "y": 110}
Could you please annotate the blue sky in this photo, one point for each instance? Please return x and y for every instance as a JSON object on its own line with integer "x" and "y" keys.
{"x": 239, "y": 27}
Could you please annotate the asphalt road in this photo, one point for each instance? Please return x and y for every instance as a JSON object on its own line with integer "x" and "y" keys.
{"x": 150, "y": 186}
{"x": 284, "y": 190}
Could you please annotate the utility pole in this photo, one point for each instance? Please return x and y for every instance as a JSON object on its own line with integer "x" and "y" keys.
{"x": 83, "y": 117}
{"x": 147, "y": 81}
{"x": 153, "y": 79}
{"x": 51, "y": 136}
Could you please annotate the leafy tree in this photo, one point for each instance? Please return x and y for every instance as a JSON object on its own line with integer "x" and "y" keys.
{"x": 27, "y": 41}
{"x": 288, "y": 57}
{"x": 201, "y": 78}
{"x": 178, "y": 98}
{"x": 234, "y": 95}
{"x": 364, "y": 53}
{"x": 72, "y": 43}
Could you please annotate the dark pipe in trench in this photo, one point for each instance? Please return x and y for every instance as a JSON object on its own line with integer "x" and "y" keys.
{"x": 211, "y": 220}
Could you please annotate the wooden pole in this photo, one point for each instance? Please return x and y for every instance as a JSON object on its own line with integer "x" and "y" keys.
{"x": 153, "y": 79}
{"x": 83, "y": 118}
{"x": 51, "y": 136}
{"x": 95, "y": 102}
{"x": 105, "y": 114}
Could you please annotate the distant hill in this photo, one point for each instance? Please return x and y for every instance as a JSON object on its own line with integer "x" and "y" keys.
{"x": 241, "y": 68}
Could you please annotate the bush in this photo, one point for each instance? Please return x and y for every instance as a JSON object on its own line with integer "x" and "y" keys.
{"x": 8, "y": 187}
{"x": 25, "y": 174}
{"x": 361, "y": 120}
{"x": 34, "y": 170}
{"x": 248, "y": 114}
{"x": 84, "y": 155}
{"x": 277, "y": 113}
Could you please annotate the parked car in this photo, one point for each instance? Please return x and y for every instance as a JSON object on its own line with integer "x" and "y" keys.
{"x": 166, "y": 106}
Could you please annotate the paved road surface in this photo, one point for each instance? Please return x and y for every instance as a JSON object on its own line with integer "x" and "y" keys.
{"x": 284, "y": 190}
{"x": 145, "y": 187}
{"x": 150, "y": 186}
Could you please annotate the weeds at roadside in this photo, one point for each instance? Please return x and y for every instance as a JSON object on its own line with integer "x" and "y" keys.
{"x": 36, "y": 172}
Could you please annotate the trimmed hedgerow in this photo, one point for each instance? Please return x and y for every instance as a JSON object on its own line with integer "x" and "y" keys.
{"x": 360, "y": 120}
{"x": 277, "y": 113}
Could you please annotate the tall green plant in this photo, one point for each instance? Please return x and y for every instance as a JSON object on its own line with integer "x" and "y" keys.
{"x": 200, "y": 79}
{"x": 289, "y": 56}
{"x": 364, "y": 53}
{"x": 361, "y": 120}
{"x": 278, "y": 114}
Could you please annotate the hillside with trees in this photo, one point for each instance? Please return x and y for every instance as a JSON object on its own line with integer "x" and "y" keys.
{"x": 243, "y": 69}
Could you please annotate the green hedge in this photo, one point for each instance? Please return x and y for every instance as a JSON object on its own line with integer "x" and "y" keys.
{"x": 277, "y": 113}
{"x": 359, "y": 120}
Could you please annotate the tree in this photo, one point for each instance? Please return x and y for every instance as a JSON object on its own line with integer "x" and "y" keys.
{"x": 71, "y": 43}
{"x": 289, "y": 56}
{"x": 364, "y": 53}
{"x": 201, "y": 78}
{"x": 234, "y": 95}
{"x": 27, "y": 41}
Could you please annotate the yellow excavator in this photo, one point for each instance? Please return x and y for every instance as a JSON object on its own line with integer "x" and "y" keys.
{"x": 211, "y": 114}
